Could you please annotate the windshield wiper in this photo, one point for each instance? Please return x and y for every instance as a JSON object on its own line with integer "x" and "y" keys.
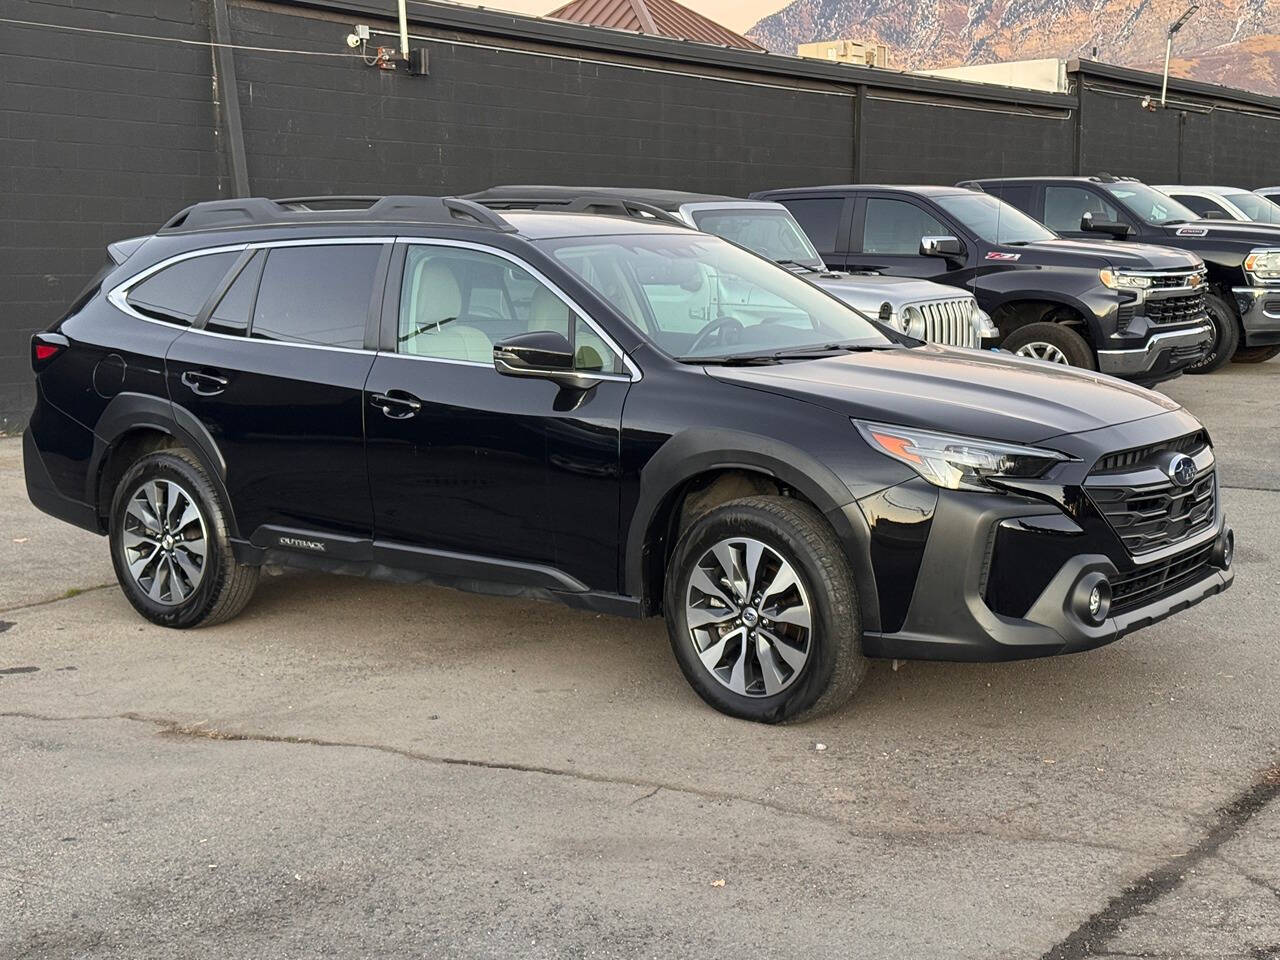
{"x": 799, "y": 353}
{"x": 808, "y": 268}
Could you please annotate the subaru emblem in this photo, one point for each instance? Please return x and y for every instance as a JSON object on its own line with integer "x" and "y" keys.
{"x": 1182, "y": 470}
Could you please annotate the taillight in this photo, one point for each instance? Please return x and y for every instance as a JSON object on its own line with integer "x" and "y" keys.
{"x": 45, "y": 347}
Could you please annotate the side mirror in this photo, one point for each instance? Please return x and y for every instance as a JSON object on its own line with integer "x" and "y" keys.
{"x": 1215, "y": 215}
{"x": 1114, "y": 228}
{"x": 544, "y": 354}
{"x": 948, "y": 247}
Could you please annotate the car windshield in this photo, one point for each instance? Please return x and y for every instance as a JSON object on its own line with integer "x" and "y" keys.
{"x": 994, "y": 220}
{"x": 1150, "y": 205}
{"x": 769, "y": 232}
{"x": 698, "y": 297}
{"x": 1254, "y": 207}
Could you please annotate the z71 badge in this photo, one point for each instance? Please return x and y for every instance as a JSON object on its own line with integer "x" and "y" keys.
{"x": 998, "y": 255}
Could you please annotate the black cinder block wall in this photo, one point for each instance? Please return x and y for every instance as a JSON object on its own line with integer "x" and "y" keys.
{"x": 104, "y": 134}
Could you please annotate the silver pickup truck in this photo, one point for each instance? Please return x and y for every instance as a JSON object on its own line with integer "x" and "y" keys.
{"x": 919, "y": 308}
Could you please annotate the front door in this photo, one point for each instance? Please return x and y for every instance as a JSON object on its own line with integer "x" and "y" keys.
{"x": 275, "y": 373}
{"x": 480, "y": 476}
{"x": 891, "y": 230}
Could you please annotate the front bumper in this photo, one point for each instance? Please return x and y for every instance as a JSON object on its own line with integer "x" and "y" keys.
{"x": 1259, "y": 314}
{"x": 950, "y": 616}
{"x": 1163, "y": 355}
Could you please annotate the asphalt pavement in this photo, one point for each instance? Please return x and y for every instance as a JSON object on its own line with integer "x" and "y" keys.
{"x": 360, "y": 769}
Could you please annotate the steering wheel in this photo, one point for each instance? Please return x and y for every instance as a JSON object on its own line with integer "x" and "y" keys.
{"x": 715, "y": 327}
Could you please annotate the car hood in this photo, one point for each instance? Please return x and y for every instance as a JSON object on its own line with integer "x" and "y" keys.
{"x": 1247, "y": 232}
{"x": 1112, "y": 253}
{"x": 971, "y": 392}
{"x": 869, "y": 292}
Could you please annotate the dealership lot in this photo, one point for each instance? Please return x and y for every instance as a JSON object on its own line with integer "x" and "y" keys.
{"x": 365, "y": 769}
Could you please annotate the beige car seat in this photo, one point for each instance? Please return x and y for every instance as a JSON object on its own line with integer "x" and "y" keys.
{"x": 435, "y": 300}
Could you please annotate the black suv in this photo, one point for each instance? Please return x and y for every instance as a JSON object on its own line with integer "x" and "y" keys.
{"x": 1059, "y": 300}
{"x": 419, "y": 388}
{"x": 1243, "y": 259}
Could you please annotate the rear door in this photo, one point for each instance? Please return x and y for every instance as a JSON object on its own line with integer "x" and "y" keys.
{"x": 275, "y": 371}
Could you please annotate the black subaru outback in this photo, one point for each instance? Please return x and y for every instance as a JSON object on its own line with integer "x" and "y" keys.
{"x": 420, "y": 388}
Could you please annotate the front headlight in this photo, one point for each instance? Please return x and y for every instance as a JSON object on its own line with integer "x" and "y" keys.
{"x": 1127, "y": 281}
{"x": 1263, "y": 264}
{"x": 957, "y": 463}
{"x": 913, "y": 323}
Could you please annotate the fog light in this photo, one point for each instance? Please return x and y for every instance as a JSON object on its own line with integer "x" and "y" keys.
{"x": 1224, "y": 550}
{"x": 1093, "y": 598}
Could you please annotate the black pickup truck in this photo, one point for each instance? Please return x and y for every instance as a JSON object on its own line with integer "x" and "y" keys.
{"x": 1242, "y": 259}
{"x": 1134, "y": 311}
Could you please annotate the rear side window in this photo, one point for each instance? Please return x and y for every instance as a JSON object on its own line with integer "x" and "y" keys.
{"x": 177, "y": 292}
{"x": 820, "y": 220}
{"x": 1019, "y": 196}
{"x": 316, "y": 294}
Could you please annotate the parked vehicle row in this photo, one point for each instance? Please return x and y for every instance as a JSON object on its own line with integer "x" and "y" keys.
{"x": 632, "y": 417}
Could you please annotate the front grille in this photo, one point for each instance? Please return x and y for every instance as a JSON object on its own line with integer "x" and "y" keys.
{"x": 949, "y": 322}
{"x": 1140, "y": 587}
{"x": 1190, "y": 443}
{"x": 1175, "y": 309}
{"x": 1165, "y": 280}
{"x": 1156, "y": 515}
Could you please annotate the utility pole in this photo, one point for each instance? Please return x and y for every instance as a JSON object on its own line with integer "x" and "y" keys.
{"x": 1168, "y": 48}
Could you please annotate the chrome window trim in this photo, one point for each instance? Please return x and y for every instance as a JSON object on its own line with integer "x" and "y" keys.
{"x": 633, "y": 375}
{"x": 118, "y": 295}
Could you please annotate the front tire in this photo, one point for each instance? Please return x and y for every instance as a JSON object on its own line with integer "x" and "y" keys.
{"x": 1052, "y": 342}
{"x": 1226, "y": 335}
{"x": 1255, "y": 354}
{"x": 762, "y": 611}
{"x": 170, "y": 546}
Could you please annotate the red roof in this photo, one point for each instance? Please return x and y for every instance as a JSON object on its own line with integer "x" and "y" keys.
{"x": 661, "y": 18}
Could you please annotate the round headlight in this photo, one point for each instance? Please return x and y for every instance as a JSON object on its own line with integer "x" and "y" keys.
{"x": 913, "y": 323}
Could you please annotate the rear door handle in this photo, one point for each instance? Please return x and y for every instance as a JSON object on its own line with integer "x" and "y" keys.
{"x": 396, "y": 404}
{"x": 205, "y": 384}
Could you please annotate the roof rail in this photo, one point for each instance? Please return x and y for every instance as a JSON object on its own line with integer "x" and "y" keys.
{"x": 259, "y": 211}
{"x": 590, "y": 203}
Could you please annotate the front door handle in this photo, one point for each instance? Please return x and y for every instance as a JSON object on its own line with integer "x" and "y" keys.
{"x": 396, "y": 404}
{"x": 205, "y": 384}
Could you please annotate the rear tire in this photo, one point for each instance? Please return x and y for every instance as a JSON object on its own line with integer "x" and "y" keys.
{"x": 1226, "y": 335}
{"x": 1255, "y": 354}
{"x": 170, "y": 546}
{"x": 1053, "y": 342}
{"x": 780, "y": 638}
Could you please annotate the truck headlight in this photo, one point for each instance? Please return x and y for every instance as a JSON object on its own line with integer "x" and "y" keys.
{"x": 957, "y": 463}
{"x": 913, "y": 323}
{"x": 1127, "y": 281}
{"x": 1263, "y": 264}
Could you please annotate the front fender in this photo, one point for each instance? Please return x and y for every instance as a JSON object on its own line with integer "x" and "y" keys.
{"x": 693, "y": 452}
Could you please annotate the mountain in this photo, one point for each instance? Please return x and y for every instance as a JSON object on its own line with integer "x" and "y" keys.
{"x": 1236, "y": 42}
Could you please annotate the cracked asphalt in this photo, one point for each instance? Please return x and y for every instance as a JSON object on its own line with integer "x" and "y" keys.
{"x": 358, "y": 769}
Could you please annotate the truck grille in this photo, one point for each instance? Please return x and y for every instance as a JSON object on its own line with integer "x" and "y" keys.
{"x": 1175, "y": 309}
{"x": 1140, "y": 587}
{"x": 949, "y": 322}
{"x": 1156, "y": 515}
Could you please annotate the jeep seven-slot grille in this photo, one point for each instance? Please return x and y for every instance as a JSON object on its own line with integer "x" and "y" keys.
{"x": 1175, "y": 309}
{"x": 1156, "y": 515}
{"x": 1140, "y": 587}
{"x": 949, "y": 322}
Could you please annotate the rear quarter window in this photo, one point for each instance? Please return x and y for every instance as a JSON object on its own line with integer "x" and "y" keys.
{"x": 176, "y": 293}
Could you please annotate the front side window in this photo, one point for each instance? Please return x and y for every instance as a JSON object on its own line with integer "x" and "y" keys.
{"x": 696, "y": 296}
{"x": 894, "y": 228}
{"x": 316, "y": 294}
{"x": 994, "y": 220}
{"x": 819, "y": 218}
{"x": 1149, "y": 205}
{"x": 176, "y": 293}
{"x": 1065, "y": 207}
{"x": 1202, "y": 206}
{"x": 455, "y": 304}
{"x": 770, "y": 233}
